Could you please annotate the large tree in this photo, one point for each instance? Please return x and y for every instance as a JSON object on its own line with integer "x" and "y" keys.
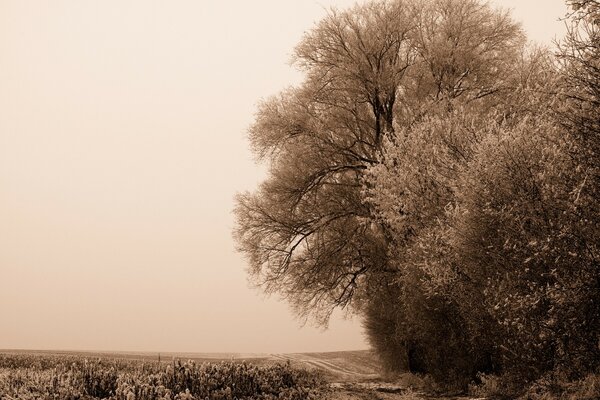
{"x": 441, "y": 178}
{"x": 308, "y": 231}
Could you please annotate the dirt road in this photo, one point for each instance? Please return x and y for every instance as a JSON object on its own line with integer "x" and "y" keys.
{"x": 356, "y": 376}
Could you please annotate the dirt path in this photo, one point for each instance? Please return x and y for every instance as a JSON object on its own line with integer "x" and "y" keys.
{"x": 383, "y": 391}
{"x": 355, "y": 378}
{"x": 345, "y": 372}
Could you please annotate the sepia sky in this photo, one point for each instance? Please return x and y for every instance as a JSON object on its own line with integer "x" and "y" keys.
{"x": 122, "y": 144}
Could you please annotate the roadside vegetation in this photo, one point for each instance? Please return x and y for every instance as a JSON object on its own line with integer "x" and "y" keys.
{"x": 67, "y": 377}
{"x": 438, "y": 175}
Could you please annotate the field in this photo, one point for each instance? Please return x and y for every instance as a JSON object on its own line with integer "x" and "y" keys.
{"x": 185, "y": 376}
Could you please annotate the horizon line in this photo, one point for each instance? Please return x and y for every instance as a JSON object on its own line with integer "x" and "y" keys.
{"x": 154, "y": 352}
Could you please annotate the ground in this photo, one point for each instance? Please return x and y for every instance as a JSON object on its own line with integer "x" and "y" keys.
{"x": 352, "y": 375}
{"x": 355, "y": 375}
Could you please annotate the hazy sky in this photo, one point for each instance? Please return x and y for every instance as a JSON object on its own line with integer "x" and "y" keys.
{"x": 122, "y": 143}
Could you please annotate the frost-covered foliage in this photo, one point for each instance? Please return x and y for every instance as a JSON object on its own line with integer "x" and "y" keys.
{"x": 440, "y": 176}
{"x": 307, "y": 232}
{"x": 495, "y": 215}
{"x": 72, "y": 377}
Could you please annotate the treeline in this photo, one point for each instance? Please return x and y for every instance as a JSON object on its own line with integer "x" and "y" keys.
{"x": 439, "y": 175}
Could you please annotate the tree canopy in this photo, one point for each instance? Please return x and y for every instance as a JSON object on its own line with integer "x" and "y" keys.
{"x": 307, "y": 232}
